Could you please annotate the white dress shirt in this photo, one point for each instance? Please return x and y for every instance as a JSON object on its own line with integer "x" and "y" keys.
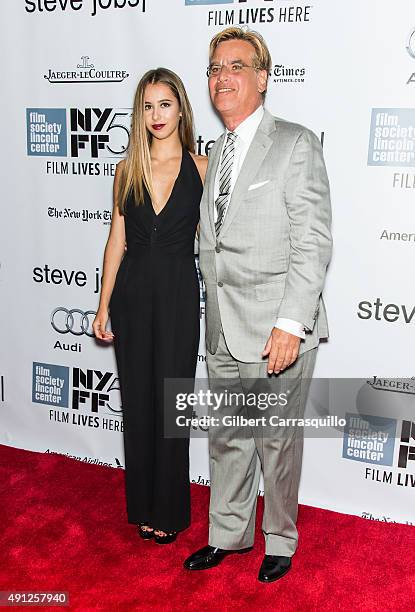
{"x": 246, "y": 132}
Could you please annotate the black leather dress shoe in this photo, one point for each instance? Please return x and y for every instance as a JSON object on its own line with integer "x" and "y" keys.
{"x": 273, "y": 567}
{"x": 208, "y": 557}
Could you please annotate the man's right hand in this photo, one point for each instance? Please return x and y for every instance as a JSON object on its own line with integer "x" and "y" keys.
{"x": 281, "y": 349}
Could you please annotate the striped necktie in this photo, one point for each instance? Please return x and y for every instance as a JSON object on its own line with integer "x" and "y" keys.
{"x": 225, "y": 175}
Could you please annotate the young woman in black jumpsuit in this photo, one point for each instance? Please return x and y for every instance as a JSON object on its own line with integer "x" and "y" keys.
{"x": 152, "y": 293}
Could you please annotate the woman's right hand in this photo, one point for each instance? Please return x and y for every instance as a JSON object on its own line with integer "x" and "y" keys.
{"x": 99, "y": 325}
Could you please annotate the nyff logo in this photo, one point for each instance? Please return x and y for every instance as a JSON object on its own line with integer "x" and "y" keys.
{"x": 407, "y": 446}
{"x": 91, "y": 127}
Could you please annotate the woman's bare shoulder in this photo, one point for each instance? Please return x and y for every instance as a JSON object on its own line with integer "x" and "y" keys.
{"x": 199, "y": 159}
{"x": 201, "y": 162}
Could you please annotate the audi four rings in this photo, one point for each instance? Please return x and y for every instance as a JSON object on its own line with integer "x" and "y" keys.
{"x": 74, "y": 321}
{"x": 410, "y": 45}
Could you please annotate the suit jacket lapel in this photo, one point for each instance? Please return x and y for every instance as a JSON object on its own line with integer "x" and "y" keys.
{"x": 260, "y": 146}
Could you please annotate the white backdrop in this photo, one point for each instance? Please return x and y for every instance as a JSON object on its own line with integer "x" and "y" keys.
{"x": 69, "y": 72}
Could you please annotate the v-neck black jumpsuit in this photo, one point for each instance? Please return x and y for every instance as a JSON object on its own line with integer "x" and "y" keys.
{"x": 154, "y": 312}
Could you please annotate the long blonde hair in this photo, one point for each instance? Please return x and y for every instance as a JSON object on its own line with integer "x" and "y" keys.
{"x": 136, "y": 174}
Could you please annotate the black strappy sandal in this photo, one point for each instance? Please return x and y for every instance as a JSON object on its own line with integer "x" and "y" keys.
{"x": 166, "y": 539}
{"x": 145, "y": 534}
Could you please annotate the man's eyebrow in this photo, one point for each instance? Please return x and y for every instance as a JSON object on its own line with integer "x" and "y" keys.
{"x": 234, "y": 61}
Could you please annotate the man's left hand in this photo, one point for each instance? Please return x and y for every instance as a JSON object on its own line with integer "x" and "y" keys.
{"x": 282, "y": 350}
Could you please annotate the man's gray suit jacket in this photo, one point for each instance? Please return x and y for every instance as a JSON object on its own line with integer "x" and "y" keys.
{"x": 271, "y": 255}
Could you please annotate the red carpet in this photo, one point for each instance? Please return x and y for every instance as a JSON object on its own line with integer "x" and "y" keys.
{"x": 64, "y": 527}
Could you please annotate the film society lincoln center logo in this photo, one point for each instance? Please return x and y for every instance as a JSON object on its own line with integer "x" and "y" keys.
{"x": 46, "y": 132}
{"x": 392, "y": 137}
{"x": 371, "y": 439}
{"x": 374, "y": 439}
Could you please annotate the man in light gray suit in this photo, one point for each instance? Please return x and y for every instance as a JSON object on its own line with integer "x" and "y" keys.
{"x": 265, "y": 244}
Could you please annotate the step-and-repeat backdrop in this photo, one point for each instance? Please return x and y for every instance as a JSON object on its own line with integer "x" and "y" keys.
{"x": 346, "y": 70}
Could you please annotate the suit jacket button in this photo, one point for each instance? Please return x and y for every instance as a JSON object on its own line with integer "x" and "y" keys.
{"x": 217, "y": 249}
{"x": 220, "y": 284}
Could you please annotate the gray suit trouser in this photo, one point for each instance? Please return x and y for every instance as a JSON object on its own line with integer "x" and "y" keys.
{"x": 238, "y": 453}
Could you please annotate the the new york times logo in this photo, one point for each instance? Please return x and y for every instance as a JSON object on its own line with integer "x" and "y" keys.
{"x": 93, "y": 130}
{"x": 83, "y": 215}
{"x": 96, "y": 6}
{"x": 286, "y": 74}
{"x": 383, "y": 519}
{"x": 85, "y": 73}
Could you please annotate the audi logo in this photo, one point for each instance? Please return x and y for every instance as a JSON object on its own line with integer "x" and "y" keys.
{"x": 74, "y": 321}
{"x": 410, "y": 45}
